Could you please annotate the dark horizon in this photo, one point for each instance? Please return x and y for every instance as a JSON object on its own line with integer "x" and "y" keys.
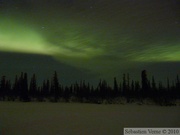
{"x": 23, "y": 90}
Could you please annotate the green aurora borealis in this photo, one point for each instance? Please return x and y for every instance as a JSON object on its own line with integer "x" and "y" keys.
{"x": 102, "y": 36}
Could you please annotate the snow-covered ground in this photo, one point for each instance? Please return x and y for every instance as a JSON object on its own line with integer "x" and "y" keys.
{"x": 18, "y": 118}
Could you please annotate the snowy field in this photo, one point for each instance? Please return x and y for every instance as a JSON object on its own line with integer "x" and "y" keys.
{"x": 18, "y": 118}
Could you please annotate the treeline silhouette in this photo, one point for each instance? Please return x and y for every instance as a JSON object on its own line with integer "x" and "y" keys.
{"x": 127, "y": 91}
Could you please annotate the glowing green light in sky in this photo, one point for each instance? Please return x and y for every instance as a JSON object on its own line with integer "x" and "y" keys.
{"x": 100, "y": 36}
{"x": 17, "y": 37}
{"x": 77, "y": 44}
{"x": 159, "y": 53}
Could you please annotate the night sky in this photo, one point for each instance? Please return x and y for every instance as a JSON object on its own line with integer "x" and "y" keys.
{"x": 90, "y": 39}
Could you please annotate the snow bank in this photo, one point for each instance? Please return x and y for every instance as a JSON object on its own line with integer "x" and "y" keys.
{"x": 44, "y": 118}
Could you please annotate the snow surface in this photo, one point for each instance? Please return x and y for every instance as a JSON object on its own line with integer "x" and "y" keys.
{"x": 45, "y": 118}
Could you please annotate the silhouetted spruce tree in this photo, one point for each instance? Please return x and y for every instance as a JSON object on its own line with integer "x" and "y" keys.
{"x": 128, "y": 86}
{"x": 137, "y": 90}
{"x": 55, "y": 87}
{"x": 84, "y": 91}
{"x": 92, "y": 91}
{"x": 128, "y": 90}
{"x": 81, "y": 91}
{"x": 66, "y": 94}
{"x": 173, "y": 89}
{"x": 128, "y": 82}
{"x": 33, "y": 87}
{"x": 39, "y": 94}
{"x": 115, "y": 88}
{"x": 153, "y": 83}
{"x": 3, "y": 88}
{"x": 76, "y": 89}
{"x": 15, "y": 87}
{"x": 71, "y": 91}
{"x": 145, "y": 87}
{"x": 46, "y": 89}
{"x": 88, "y": 91}
{"x": 177, "y": 87}
{"x": 103, "y": 89}
{"x": 9, "y": 92}
{"x": 120, "y": 89}
{"x": 124, "y": 87}
{"x": 132, "y": 89}
{"x": 168, "y": 85}
{"x": 168, "y": 98}
{"x": 24, "y": 87}
{"x": 20, "y": 81}
{"x": 161, "y": 95}
{"x": 153, "y": 88}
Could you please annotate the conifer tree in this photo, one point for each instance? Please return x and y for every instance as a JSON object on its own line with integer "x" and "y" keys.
{"x": 16, "y": 87}
{"x": 144, "y": 83}
{"x": 8, "y": 90}
{"x": 46, "y": 88}
{"x": 153, "y": 83}
{"x": 115, "y": 87}
{"x": 3, "y": 88}
{"x": 33, "y": 87}
{"x": 24, "y": 87}
{"x": 55, "y": 87}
